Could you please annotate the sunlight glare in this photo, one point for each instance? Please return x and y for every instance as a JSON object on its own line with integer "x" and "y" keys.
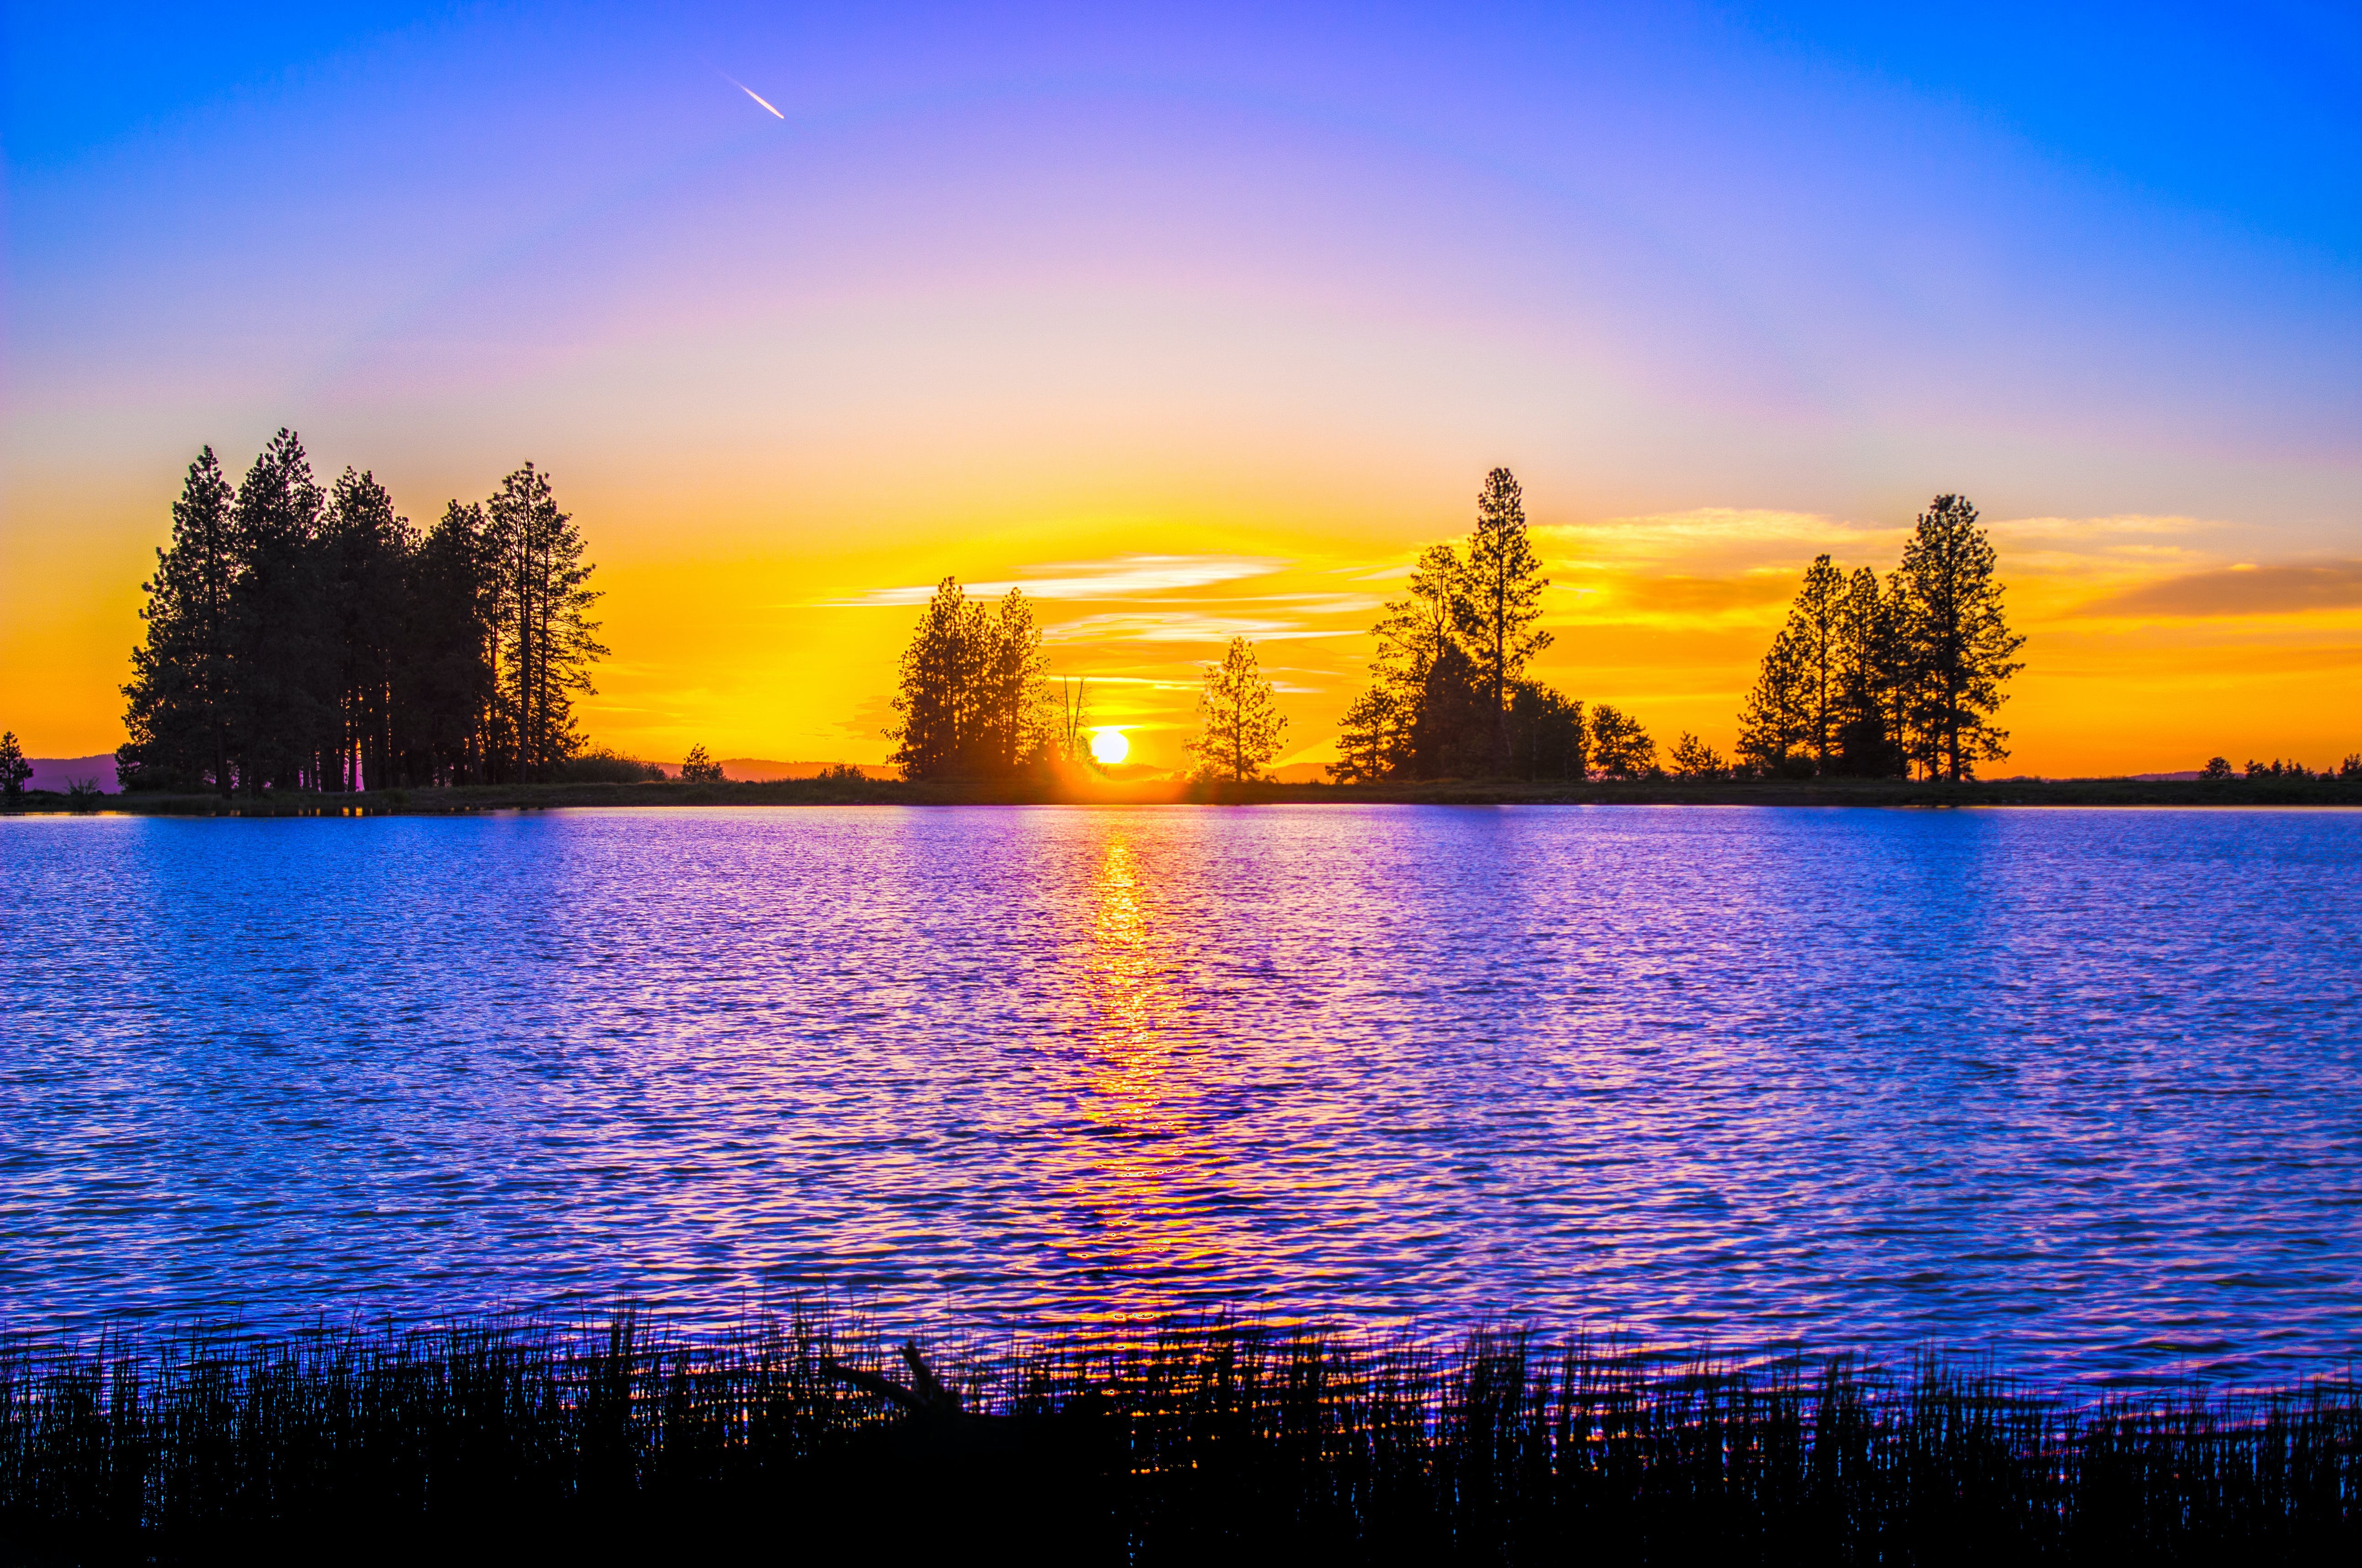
{"x": 1109, "y": 747}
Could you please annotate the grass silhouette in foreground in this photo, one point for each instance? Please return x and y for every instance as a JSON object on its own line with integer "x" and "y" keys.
{"x": 502, "y": 1438}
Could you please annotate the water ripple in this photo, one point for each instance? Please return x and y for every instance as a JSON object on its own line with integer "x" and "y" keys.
{"x": 2076, "y": 1089}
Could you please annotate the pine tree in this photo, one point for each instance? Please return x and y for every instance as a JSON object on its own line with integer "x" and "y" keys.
{"x": 448, "y": 679}
{"x": 937, "y": 700}
{"x": 1775, "y": 725}
{"x": 14, "y": 769}
{"x": 281, "y": 700}
{"x": 1434, "y": 709}
{"x": 1869, "y": 681}
{"x": 178, "y": 709}
{"x": 1795, "y": 714}
{"x": 1959, "y": 645}
{"x": 1694, "y": 759}
{"x": 543, "y": 617}
{"x": 1012, "y": 728}
{"x": 1546, "y": 736}
{"x": 1818, "y": 616}
{"x": 1453, "y": 728}
{"x": 1620, "y": 747}
{"x": 1367, "y": 744}
{"x": 1241, "y": 726}
{"x": 1423, "y": 715}
{"x": 367, "y": 552}
{"x": 699, "y": 767}
{"x": 1499, "y": 601}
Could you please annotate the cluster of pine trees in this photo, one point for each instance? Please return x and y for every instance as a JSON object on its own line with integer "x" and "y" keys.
{"x": 973, "y": 702}
{"x": 1450, "y": 697}
{"x": 303, "y": 637}
{"x": 1878, "y": 678}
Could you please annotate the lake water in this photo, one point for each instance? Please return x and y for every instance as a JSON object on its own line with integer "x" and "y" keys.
{"x": 2078, "y": 1090}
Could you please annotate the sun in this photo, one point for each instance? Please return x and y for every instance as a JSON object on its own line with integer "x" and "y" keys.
{"x": 1109, "y": 747}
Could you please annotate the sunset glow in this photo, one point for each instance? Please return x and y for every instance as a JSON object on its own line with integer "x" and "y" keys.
{"x": 1206, "y": 330}
{"x": 1109, "y": 747}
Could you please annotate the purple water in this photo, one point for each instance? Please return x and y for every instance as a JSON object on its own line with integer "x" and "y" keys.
{"x": 2078, "y": 1090}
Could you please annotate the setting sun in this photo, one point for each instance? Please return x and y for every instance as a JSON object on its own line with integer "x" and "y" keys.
{"x": 1109, "y": 747}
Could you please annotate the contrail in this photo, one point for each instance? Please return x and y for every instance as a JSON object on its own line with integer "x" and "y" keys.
{"x": 743, "y": 88}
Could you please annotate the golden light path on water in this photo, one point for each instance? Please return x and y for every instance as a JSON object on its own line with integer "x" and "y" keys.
{"x": 1148, "y": 1155}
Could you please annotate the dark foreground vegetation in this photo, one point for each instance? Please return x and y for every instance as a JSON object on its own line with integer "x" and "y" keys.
{"x": 851, "y": 788}
{"x": 801, "y": 1438}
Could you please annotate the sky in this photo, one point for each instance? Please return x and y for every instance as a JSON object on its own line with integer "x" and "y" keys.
{"x": 1203, "y": 321}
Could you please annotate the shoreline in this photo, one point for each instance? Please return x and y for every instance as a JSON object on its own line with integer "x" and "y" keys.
{"x": 1823, "y": 792}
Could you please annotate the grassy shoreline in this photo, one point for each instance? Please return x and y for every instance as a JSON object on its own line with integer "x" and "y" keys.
{"x": 1862, "y": 792}
{"x": 527, "y": 1441}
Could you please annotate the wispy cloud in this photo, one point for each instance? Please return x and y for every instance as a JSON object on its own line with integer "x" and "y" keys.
{"x": 2240, "y": 591}
{"x": 1120, "y": 577}
{"x": 1181, "y": 626}
{"x": 1711, "y": 530}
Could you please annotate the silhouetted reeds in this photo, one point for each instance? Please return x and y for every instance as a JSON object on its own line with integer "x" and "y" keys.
{"x": 1188, "y": 1442}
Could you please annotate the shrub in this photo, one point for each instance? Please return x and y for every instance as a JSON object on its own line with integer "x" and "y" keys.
{"x": 605, "y": 766}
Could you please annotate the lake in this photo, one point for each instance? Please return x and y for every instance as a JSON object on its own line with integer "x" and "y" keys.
{"x": 2077, "y": 1090}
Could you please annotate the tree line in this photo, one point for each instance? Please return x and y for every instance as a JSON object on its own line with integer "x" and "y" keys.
{"x": 1870, "y": 677}
{"x": 1874, "y": 677}
{"x": 307, "y": 637}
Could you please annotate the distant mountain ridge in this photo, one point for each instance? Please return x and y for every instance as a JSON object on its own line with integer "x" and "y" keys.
{"x": 763, "y": 769}
{"x": 57, "y": 772}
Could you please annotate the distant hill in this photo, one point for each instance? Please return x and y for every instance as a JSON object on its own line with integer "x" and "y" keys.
{"x": 57, "y": 772}
{"x": 762, "y": 770}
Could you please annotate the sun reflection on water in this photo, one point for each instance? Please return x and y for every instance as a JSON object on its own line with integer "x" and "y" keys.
{"x": 1146, "y": 1161}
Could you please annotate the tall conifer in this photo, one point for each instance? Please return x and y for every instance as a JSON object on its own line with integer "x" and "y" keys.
{"x": 282, "y": 700}
{"x": 1776, "y": 726}
{"x": 1500, "y": 601}
{"x": 366, "y": 549}
{"x": 541, "y": 604}
{"x": 449, "y": 677}
{"x": 1961, "y": 647}
{"x": 178, "y": 710}
{"x": 1240, "y": 725}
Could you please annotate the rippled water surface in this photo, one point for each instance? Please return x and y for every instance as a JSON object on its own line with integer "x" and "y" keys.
{"x": 2082, "y": 1090}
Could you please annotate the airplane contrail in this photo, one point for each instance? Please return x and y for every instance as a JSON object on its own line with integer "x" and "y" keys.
{"x": 744, "y": 88}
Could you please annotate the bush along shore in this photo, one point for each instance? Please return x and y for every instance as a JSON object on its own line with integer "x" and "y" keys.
{"x": 851, "y": 788}
{"x": 803, "y": 1437}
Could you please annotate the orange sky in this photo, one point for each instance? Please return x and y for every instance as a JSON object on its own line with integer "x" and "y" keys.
{"x": 2153, "y": 646}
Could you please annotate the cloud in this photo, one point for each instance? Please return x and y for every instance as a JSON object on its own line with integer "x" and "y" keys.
{"x": 2240, "y": 591}
{"x": 1710, "y": 528}
{"x": 1183, "y": 627}
{"x": 1708, "y": 593}
{"x": 1120, "y": 577}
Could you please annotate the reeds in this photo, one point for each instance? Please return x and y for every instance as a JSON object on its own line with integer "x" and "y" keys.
{"x": 1190, "y": 1442}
